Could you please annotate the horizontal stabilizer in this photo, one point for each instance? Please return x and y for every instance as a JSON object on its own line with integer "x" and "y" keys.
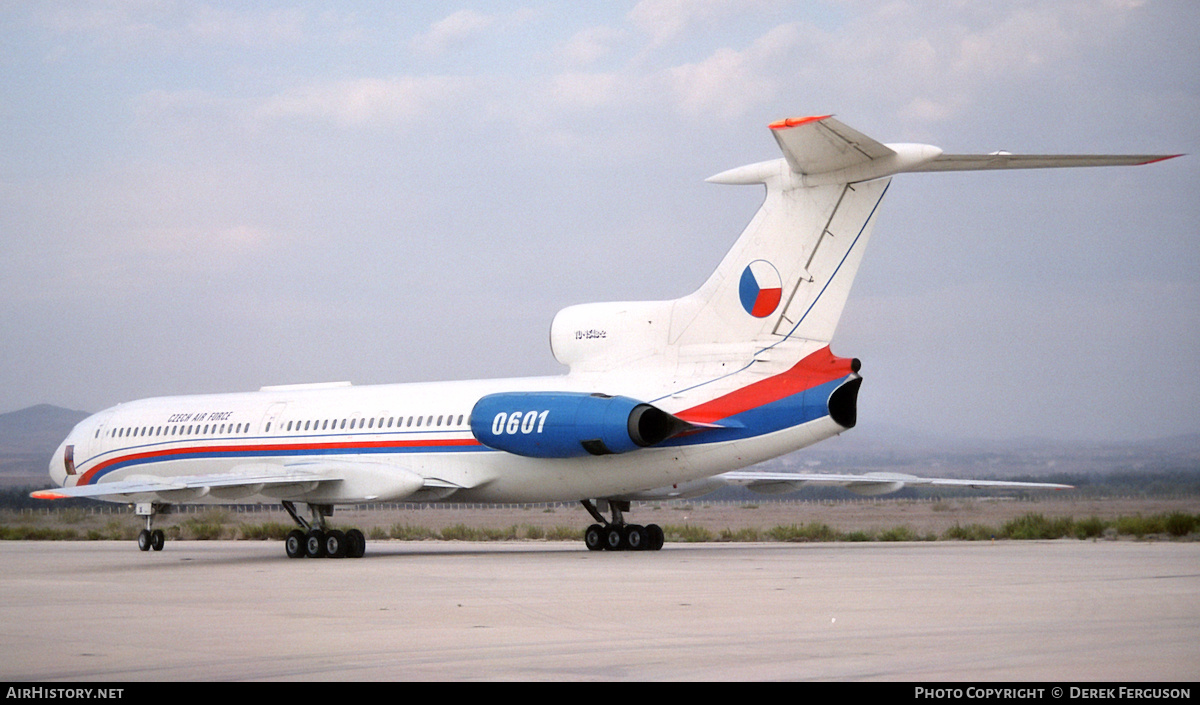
{"x": 815, "y": 145}
{"x": 823, "y": 150}
{"x": 1004, "y": 160}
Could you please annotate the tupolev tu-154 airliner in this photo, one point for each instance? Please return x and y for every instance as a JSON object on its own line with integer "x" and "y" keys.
{"x": 663, "y": 399}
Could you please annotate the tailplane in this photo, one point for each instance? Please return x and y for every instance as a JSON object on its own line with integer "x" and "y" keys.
{"x": 778, "y": 294}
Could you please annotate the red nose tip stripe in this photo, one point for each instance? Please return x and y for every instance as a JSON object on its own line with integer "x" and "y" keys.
{"x": 47, "y": 494}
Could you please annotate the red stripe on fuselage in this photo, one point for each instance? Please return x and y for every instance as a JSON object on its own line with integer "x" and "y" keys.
{"x": 818, "y": 368}
{"x": 167, "y": 453}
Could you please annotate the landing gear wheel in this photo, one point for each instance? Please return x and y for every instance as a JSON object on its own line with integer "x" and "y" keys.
{"x": 149, "y": 537}
{"x": 594, "y": 537}
{"x": 335, "y": 544}
{"x": 654, "y": 537}
{"x": 356, "y": 543}
{"x": 616, "y": 535}
{"x": 636, "y": 537}
{"x": 614, "y": 538}
{"x": 294, "y": 544}
{"x": 314, "y": 544}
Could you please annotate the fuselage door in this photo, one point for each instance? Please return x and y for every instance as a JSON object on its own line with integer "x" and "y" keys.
{"x": 273, "y": 413}
{"x": 91, "y": 442}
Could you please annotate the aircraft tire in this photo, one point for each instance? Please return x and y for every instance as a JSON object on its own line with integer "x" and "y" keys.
{"x": 294, "y": 544}
{"x": 654, "y": 537}
{"x": 335, "y": 544}
{"x": 158, "y": 539}
{"x": 636, "y": 538}
{"x": 593, "y": 538}
{"x": 314, "y": 544}
{"x": 614, "y": 538}
{"x": 356, "y": 543}
{"x": 143, "y": 540}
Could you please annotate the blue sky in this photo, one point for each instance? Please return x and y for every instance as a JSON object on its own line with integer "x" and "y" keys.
{"x": 202, "y": 197}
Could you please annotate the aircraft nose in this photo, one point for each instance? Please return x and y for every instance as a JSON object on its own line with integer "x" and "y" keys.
{"x": 61, "y": 462}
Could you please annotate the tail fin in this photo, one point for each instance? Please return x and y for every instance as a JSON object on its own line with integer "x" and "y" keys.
{"x": 790, "y": 272}
{"x": 785, "y": 281}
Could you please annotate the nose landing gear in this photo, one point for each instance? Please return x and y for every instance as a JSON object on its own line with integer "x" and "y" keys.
{"x": 149, "y": 537}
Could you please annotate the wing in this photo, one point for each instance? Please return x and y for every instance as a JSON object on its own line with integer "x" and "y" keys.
{"x": 867, "y": 484}
{"x": 323, "y": 481}
{"x": 872, "y": 483}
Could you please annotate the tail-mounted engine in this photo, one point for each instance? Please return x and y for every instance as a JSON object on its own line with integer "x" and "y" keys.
{"x": 569, "y": 424}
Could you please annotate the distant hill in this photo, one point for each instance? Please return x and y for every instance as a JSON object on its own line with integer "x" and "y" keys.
{"x": 29, "y": 437}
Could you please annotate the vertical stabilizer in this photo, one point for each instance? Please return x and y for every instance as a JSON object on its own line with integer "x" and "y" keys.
{"x": 788, "y": 275}
{"x": 777, "y": 295}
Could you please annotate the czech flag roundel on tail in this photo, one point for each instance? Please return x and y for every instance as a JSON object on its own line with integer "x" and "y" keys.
{"x": 760, "y": 288}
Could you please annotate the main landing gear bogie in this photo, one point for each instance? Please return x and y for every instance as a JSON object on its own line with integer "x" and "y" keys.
{"x": 626, "y": 537}
{"x": 616, "y": 535}
{"x": 316, "y": 543}
{"x": 316, "y": 540}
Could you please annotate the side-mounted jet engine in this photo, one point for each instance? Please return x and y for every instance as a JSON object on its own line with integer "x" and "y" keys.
{"x": 570, "y": 424}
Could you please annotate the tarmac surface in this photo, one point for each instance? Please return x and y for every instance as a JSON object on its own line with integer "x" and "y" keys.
{"x": 1070, "y": 610}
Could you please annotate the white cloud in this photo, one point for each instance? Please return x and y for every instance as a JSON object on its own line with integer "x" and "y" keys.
{"x": 366, "y": 102}
{"x": 588, "y": 46}
{"x": 452, "y": 30}
{"x": 665, "y": 20}
{"x": 465, "y": 26}
{"x": 577, "y": 90}
{"x": 269, "y": 28}
{"x": 729, "y": 83}
{"x": 169, "y": 26}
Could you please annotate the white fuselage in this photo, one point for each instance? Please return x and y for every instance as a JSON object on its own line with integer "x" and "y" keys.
{"x": 420, "y": 428}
